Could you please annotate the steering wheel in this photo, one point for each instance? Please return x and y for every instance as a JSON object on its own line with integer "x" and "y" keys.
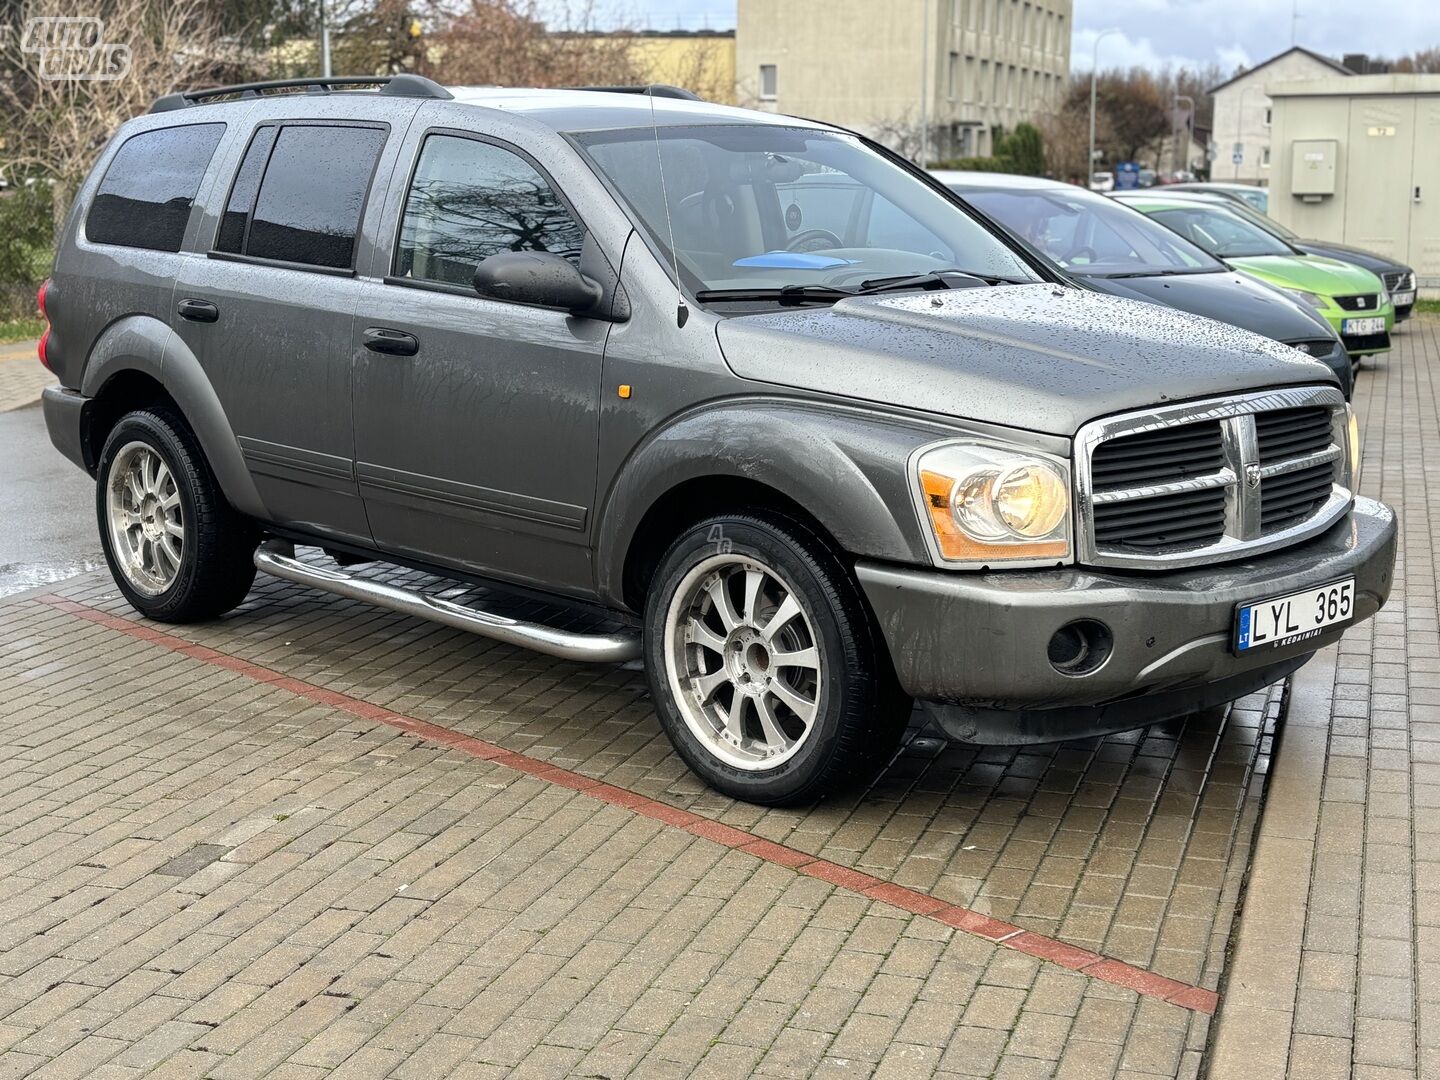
{"x": 1073, "y": 254}
{"x": 814, "y": 240}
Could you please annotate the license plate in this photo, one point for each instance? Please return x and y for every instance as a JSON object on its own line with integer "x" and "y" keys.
{"x": 1401, "y": 299}
{"x": 1288, "y": 619}
{"x": 1363, "y": 327}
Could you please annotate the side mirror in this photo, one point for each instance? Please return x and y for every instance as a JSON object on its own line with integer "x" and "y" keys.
{"x": 539, "y": 278}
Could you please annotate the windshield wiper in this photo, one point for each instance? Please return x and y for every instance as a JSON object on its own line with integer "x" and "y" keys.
{"x": 935, "y": 277}
{"x": 1162, "y": 273}
{"x": 785, "y": 294}
{"x": 806, "y": 294}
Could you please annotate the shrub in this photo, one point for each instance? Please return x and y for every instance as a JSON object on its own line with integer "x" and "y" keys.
{"x": 26, "y": 224}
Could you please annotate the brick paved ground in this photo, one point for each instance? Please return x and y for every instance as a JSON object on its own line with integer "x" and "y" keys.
{"x": 21, "y": 376}
{"x": 207, "y": 871}
{"x": 1340, "y": 939}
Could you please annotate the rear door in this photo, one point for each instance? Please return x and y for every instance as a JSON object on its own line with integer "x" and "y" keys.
{"x": 267, "y": 312}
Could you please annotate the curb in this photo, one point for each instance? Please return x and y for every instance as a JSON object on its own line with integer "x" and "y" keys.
{"x": 1252, "y": 1036}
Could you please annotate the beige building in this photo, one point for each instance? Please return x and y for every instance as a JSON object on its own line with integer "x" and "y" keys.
{"x": 1357, "y": 160}
{"x": 923, "y": 76}
{"x": 1243, "y": 108}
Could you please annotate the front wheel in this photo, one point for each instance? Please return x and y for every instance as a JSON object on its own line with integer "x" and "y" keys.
{"x": 177, "y": 550}
{"x": 765, "y": 668}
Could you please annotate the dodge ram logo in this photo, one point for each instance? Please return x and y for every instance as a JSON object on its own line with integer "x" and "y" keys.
{"x": 1252, "y": 475}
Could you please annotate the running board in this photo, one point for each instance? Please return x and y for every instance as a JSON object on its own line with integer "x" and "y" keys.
{"x": 277, "y": 557}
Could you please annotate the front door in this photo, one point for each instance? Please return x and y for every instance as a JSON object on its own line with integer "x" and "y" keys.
{"x": 476, "y": 421}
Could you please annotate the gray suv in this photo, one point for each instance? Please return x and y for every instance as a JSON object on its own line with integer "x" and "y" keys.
{"x": 743, "y": 397}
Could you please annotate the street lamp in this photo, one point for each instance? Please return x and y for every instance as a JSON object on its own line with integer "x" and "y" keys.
{"x": 1240, "y": 125}
{"x": 1094, "y": 64}
{"x": 1179, "y": 131}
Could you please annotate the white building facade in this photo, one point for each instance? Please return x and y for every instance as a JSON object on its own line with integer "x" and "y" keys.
{"x": 1244, "y": 113}
{"x": 940, "y": 75}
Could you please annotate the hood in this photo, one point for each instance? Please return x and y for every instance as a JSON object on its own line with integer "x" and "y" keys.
{"x": 1036, "y": 357}
{"x": 1346, "y": 254}
{"x": 1237, "y": 299}
{"x": 1313, "y": 273}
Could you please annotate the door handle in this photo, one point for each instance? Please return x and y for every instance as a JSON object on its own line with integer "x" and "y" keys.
{"x": 382, "y": 339}
{"x": 198, "y": 310}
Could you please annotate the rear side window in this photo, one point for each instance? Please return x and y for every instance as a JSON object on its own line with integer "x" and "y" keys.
{"x": 470, "y": 200}
{"x": 145, "y": 198}
{"x": 299, "y": 193}
{"x": 244, "y": 190}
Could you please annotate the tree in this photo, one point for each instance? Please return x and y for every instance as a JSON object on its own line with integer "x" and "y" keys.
{"x": 507, "y": 43}
{"x": 55, "y": 126}
{"x": 1023, "y": 150}
{"x": 1136, "y": 108}
{"x": 1424, "y": 62}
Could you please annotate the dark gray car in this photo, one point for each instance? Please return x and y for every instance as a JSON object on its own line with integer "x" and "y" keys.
{"x": 1399, "y": 279}
{"x": 752, "y": 400}
{"x": 1122, "y": 252}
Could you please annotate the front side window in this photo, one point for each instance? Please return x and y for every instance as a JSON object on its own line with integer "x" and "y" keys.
{"x": 470, "y": 200}
{"x": 762, "y": 206}
{"x": 1090, "y": 234}
{"x": 145, "y": 198}
{"x": 299, "y": 193}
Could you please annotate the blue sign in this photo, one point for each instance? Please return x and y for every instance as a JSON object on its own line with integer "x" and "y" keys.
{"x": 1127, "y": 176}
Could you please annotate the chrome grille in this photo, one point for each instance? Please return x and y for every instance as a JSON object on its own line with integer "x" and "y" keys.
{"x": 1287, "y": 433}
{"x": 1188, "y": 484}
{"x": 1164, "y": 454}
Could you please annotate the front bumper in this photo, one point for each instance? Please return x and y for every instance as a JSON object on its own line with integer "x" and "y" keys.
{"x": 978, "y": 643}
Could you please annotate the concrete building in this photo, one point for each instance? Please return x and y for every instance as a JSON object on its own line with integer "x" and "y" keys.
{"x": 1242, "y": 112}
{"x": 1355, "y": 160}
{"x": 936, "y": 76}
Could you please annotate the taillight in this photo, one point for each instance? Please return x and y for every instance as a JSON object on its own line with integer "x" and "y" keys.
{"x": 43, "y": 347}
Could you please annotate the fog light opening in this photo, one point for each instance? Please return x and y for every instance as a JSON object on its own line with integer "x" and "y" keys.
{"x": 1081, "y": 647}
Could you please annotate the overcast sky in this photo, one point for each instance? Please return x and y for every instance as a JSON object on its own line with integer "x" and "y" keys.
{"x": 1160, "y": 32}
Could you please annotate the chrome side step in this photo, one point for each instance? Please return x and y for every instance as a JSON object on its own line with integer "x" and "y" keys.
{"x": 278, "y": 558}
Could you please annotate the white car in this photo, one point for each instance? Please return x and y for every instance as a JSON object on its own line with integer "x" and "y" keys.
{"x": 1102, "y": 181}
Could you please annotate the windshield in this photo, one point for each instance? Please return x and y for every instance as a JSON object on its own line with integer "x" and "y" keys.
{"x": 1224, "y": 234}
{"x": 761, "y": 206}
{"x": 1090, "y": 234}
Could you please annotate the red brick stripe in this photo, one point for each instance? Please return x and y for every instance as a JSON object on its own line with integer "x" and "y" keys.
{"x": 843, "y": 877}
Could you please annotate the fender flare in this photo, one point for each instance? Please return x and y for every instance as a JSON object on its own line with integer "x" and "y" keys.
{"x": 846, "y": 467}
{"x": 144, "y": 344}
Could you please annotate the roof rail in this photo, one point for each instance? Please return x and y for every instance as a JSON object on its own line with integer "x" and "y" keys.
{"x": 653, "y": 89}
{"x": 413, "y": 86}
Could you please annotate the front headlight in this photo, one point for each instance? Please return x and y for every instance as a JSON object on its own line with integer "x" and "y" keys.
{"x": 1352, "y": 443}
{"x": 1313, "y": 299}
{"x": 984, "y": 504}
{"x": 1383, "y": 298}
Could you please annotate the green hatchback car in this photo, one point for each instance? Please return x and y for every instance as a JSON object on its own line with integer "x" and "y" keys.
{"x": 1352, "y": 299}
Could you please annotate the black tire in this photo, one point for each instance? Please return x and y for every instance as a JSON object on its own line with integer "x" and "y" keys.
{"x": 861, "y": 712}
{"x": 215, "y": 566}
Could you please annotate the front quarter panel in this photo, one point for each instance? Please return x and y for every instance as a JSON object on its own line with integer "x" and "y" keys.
{"x": 847, "y": 467}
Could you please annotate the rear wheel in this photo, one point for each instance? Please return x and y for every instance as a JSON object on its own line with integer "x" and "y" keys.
{"x": 177, "y": 550}
{"x": 765, "y": 669}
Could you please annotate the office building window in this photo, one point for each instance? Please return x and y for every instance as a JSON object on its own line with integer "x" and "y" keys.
{"x": 952, "y": 77}
{"x": 767, "y": 82}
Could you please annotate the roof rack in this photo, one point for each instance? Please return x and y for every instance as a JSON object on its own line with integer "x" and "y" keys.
{"x": 653, "y": 89}
{"x": 413, "y": 86}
